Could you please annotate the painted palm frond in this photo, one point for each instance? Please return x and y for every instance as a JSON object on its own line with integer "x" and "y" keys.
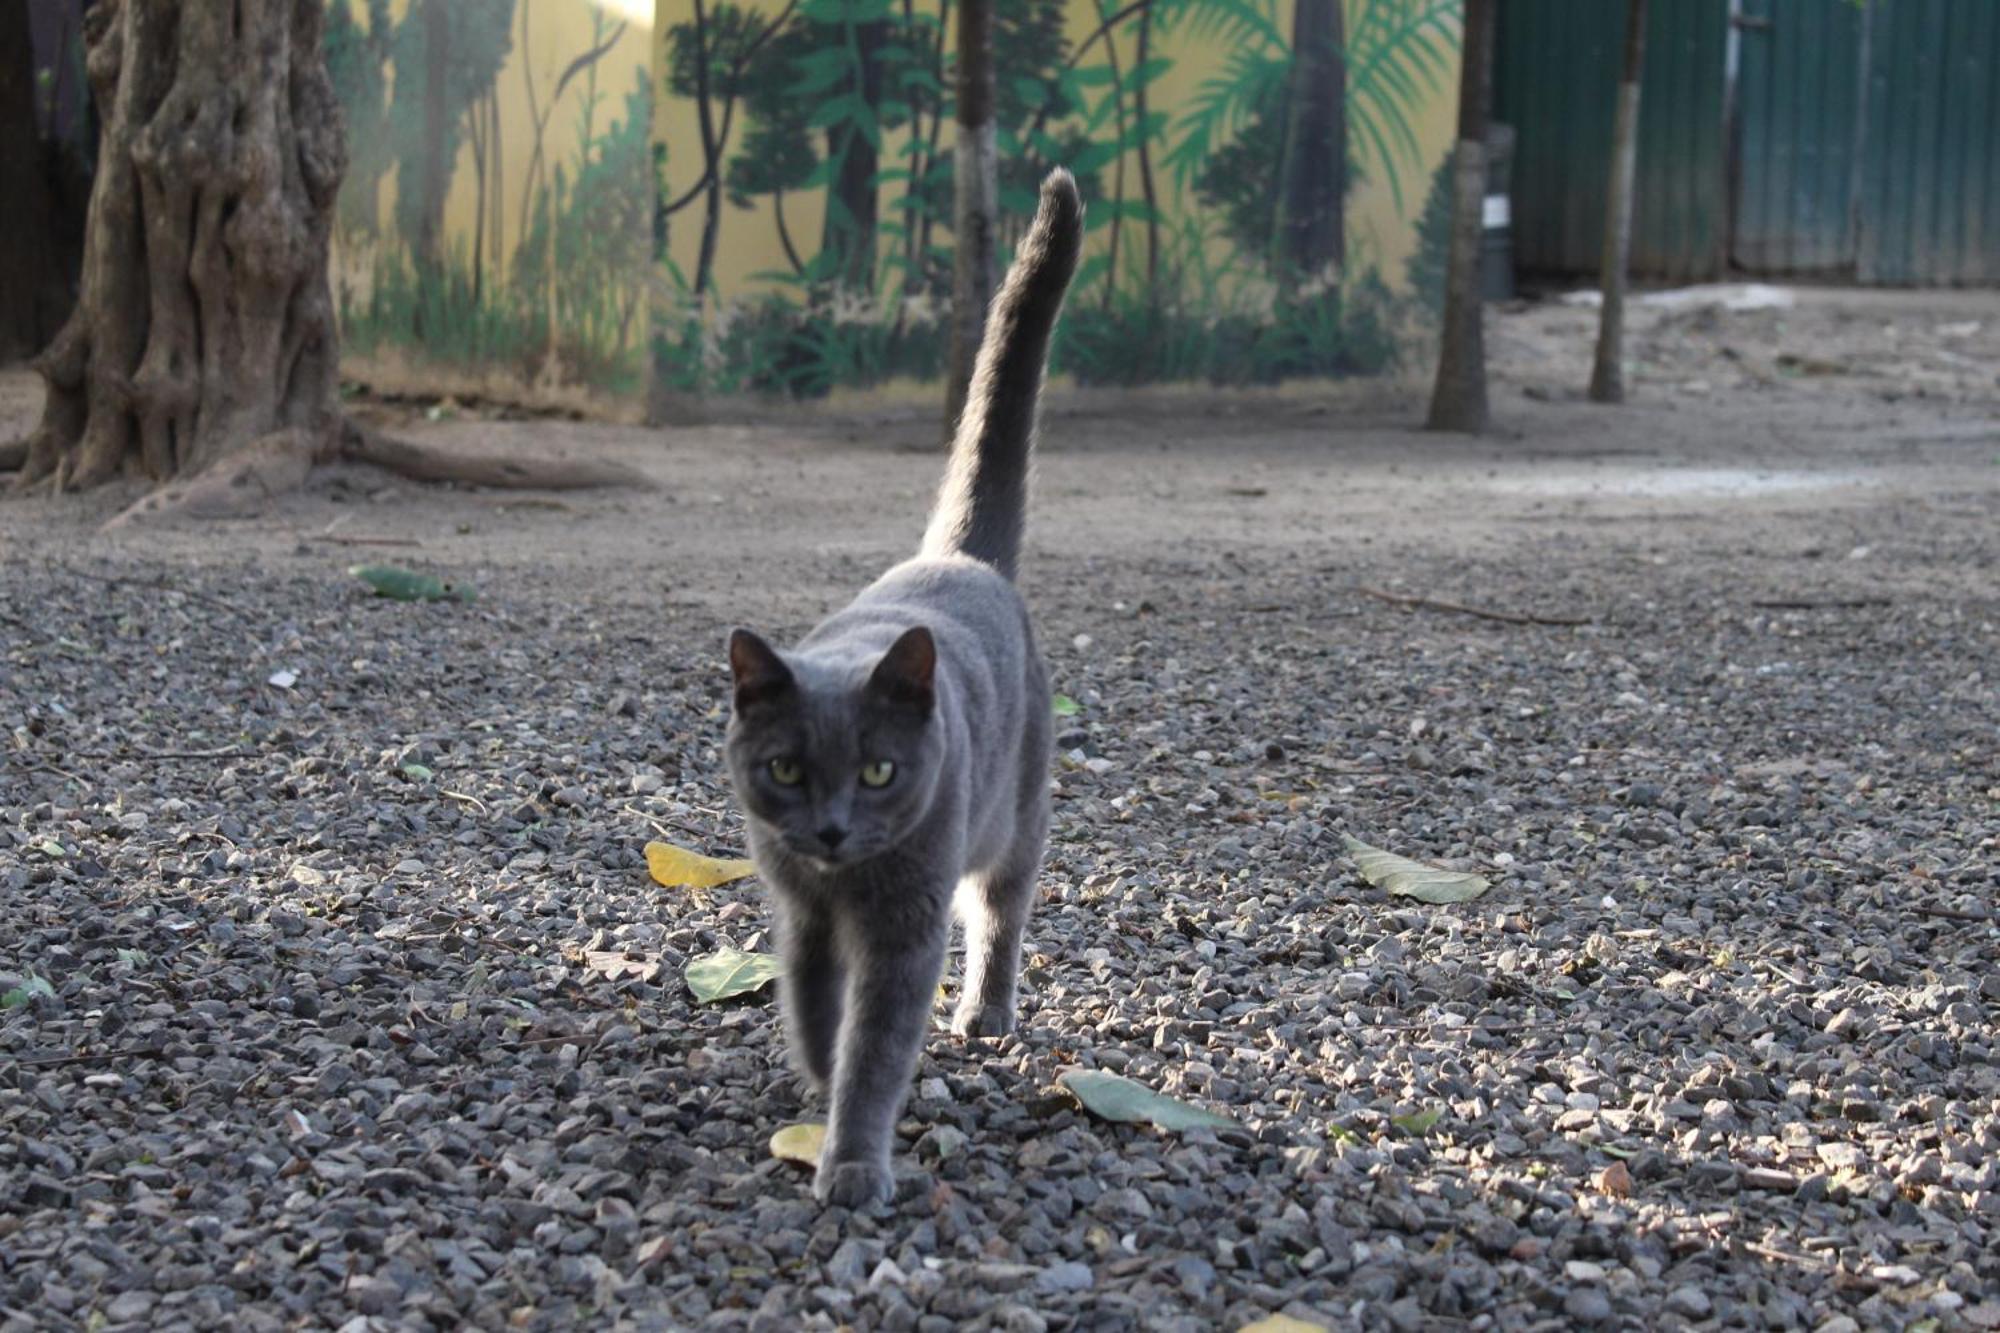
{"x": 1400, "y": 53}
{"x": 1236, "y": 23}
{"x": 1251, "y": 81}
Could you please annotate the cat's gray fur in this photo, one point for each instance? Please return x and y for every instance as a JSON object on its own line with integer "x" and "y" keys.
{"x": 934, "y": 668}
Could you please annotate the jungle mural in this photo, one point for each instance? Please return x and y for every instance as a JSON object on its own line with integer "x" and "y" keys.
{"x": 1264, "y": 180}
{"x": 494, "y": 230}
{"x": 600, "y": 200}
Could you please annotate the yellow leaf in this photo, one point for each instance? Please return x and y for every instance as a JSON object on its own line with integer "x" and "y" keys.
{"x": 679, "y": 868}
{"x": 1282, "y": 1323}
{"x": 799, "y": 1143}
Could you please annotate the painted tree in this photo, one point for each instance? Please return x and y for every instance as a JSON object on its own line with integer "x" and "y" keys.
{"x": 975, "y": 204}
{"x": 1310, "y": 226}
{"x": 1607, "y": 373}
{"x": 713, "y": 59}
{"x": 854, "y": 152}
{"x": 357, "y": 60}
{"x": 202, "y": 351}
{"x": 777, "y": 156}
{"x": 446, "y": 55}
{"x": 1458, "y": 398}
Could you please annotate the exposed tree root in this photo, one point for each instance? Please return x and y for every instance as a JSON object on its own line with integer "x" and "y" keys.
{"x": 499, "y": 471}
{"x": 244, "y": 482}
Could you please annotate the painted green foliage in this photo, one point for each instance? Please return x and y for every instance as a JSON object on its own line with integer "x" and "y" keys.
{"x": 547, "y": 285}
{"x": 1222, "y": 254}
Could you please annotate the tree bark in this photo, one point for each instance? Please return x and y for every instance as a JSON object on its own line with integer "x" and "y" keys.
{"x": 202, "y": 351}
{"x": 1607, "y": 374}
{"x": 1458, "y": 398}
{"x": 205, "y": 319}
{"x": 975, "y": 202}
{"x": 1312, "y": 163}
{"x": 34, "y": 293}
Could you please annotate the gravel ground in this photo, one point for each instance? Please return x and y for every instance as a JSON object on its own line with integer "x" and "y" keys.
{"x": 335, "y": 1041}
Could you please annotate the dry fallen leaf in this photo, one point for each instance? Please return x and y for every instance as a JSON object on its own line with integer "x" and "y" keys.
{"x": 1281, "y": 1323}
{"x": 613, "y": 965}
{"x": 679, "y": 868}
{"x": 1615, "y": 1180}
{"x": 1414, "y": 879}
{"x": 799, "y": 1143}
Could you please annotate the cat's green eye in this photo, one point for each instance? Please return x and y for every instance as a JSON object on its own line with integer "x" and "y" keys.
{"x": 787, "y": 772}
{"x": 878, "y": 773}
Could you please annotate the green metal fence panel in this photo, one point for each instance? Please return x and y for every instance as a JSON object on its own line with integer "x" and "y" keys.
{"x": 1930, "y": 154}
{"x": 1798, "y": 110}
{"x": 1556, "y": 81}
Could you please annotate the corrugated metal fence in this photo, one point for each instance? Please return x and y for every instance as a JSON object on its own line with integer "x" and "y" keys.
{"x": 1775, "y": 137}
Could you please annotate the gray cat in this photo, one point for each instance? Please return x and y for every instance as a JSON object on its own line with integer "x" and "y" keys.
{"x": 895, "y": 764}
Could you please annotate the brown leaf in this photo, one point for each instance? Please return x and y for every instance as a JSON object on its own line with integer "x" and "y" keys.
{"x": 1615, "y": 1180}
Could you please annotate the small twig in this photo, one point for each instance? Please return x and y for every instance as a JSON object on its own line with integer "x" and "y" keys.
{"x": 227, "y": 752}
{"x": 1784, "y": 1256}
{"x": 1816, "y": 604}
{"x": 1437, "y": 604}
{"x": 1950, "y": 913}
{"x": 366, "y": 541}
{"x": 87, "y": 1057}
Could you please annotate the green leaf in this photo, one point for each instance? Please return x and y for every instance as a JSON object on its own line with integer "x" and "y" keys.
{"x": 134, "y": 956}
{"x": 418, "y": 773}
{"x": 26, "y": 991}
{"x": 1414, "y": 879}
{"x": 727, "y": 973}
{"x": 406, "y": 585}
{"x": 1066, "y": 706}
{"x": 50, "y": 848}
{"x": 1114, "y": 1097}
{"x": 1418, "y": 1123}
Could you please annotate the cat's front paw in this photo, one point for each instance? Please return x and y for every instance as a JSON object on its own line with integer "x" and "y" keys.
{"x": 854, "y": 1184}
{"x": 986, "y": 1020}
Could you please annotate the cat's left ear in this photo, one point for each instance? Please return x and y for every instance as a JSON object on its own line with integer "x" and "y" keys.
{"x": 904, "y": 674}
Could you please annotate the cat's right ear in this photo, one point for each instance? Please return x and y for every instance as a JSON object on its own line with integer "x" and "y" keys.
{"x": 761, "y": 675}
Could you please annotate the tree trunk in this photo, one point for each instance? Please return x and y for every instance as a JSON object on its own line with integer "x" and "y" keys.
{"x": 848, "y": 232}
{"x": 203, "y": 350}
{"x": 1312, "y": 164}
{"x": 1458, "y": 400}
{"x": 975, "y": 202}
{"x": 1607, "y": 375}
{"x": 34, "y": 295}
{"x": 205, "y": 321}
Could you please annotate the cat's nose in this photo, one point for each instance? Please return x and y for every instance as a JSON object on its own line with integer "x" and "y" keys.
{"x": 832, "y": 835}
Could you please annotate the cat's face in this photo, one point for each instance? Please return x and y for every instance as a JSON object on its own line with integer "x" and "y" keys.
{"x": 841, "y": 764}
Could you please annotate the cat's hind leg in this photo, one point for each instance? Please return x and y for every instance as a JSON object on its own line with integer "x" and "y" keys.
{"x": 994, "y": 908}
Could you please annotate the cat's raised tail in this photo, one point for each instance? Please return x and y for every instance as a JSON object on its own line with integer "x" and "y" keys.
{"x": 982, "y": 507}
